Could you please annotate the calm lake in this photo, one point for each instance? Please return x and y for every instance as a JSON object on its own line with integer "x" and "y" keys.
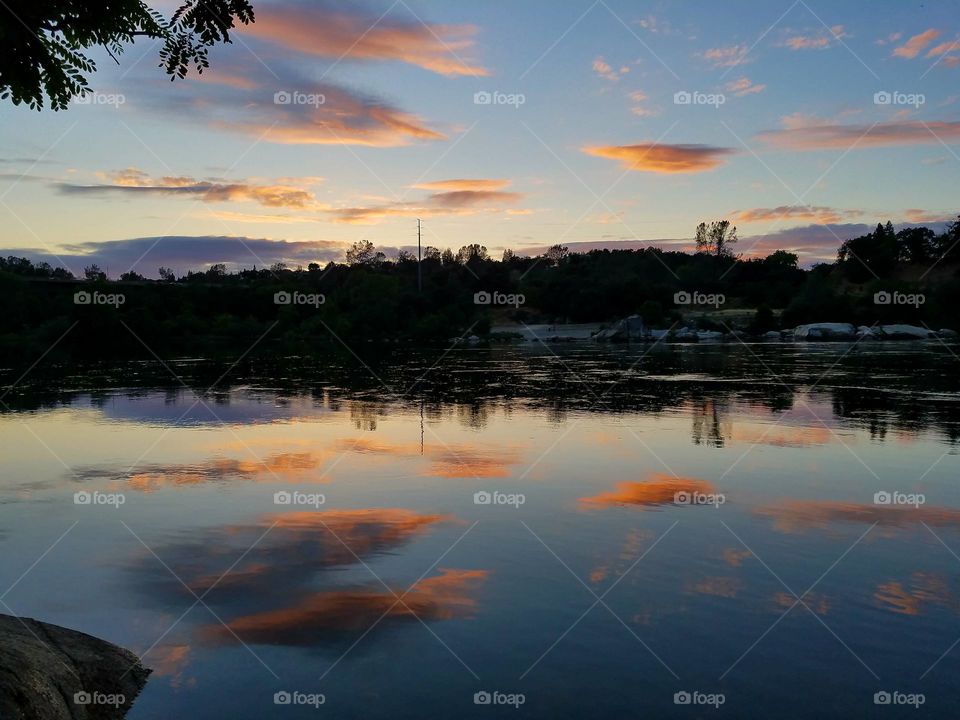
{"x": 763, "y": 531}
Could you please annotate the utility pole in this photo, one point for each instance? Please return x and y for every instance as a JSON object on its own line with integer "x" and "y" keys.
{"x": 419, "y": 258}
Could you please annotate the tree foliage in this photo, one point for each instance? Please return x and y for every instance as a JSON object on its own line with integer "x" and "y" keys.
{"x": 44, "y": 43}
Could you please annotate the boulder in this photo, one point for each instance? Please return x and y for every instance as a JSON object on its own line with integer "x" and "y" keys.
{"x": 685, "y": 334}
{"x": 773, "y": 335}
{"x": 709, "y": 336}
{"x": 947, "y": 333}
{"x": 825, "y": 331}
{"x": 630, "y": 328}
{"x": 906, "y": 332}
{"x": 48, "y": 672}
{"x": 869, "y": 333}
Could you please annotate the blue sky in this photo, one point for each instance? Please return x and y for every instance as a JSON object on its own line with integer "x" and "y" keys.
{"x": 784, "y": 134}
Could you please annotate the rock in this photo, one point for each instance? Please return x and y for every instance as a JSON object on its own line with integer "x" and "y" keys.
{"x": 685, "y": 334}
{"x": 46, "y": 670}
{"x": 825, "y": 331}
{"x": 905, "y": 332}
{"x": 709, "y": 336}
{"x": 773, "y": 335}
{"x": 630, "y": 328}
{"x": 947, "y": 333}
{"x": 868, "y": 333}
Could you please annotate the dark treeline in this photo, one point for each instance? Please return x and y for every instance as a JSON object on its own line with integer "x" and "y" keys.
{"x": 373, "y": 298}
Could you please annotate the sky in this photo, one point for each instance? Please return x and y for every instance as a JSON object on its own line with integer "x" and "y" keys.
{"x": 514, "y": 124}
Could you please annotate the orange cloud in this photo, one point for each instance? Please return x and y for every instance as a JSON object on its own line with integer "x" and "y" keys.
{"x": 816, "y": 42}
{"x": 326, "y": 31}
{"x": 659, "y": 489}
{"x": 943, "y": 47}
{"x": 917, "y": 215}
{"x": 668, "y": 159}
{"x": 367, "y": 125}
{"x": 817, "y": 214}
{"x": 136, "y": 182}
{"x": 443, "y": 597}
{"x": 603, "y": 69}
{"x": 456, "y": 197}
{"x": 913, "y": 47}
{"x": 744, "y": 86}
{"x": 799, "y": 515}
{"x": 727, "y": 56}
{"x": 841, "y": 137}
{"x": 463, "y": 184}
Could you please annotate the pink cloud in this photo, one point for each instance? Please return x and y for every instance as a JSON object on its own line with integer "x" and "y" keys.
{"x": 667, "y": 159}
{"x": 915, "y": 45}
{"x": 323, "y": 30}
{"x": 809, "y": 135}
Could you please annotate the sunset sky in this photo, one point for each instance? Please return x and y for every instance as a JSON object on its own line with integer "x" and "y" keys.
{"x": 325, "y": 123}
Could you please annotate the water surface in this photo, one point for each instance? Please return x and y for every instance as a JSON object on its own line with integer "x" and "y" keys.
{"x": 791, "y": 591}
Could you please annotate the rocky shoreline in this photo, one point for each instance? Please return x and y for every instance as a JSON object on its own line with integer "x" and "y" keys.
{"x": 48, "y": 672}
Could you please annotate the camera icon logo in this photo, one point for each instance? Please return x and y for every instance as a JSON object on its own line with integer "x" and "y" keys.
{"x": 682, "y": 298}
{"x": 882, "y": 498}
{"x": 682, "y": 98}
{"x": 681, "y": 498}
{"x": 482, "y": 498}
{"x": 482, "y": 698}
{"x": 82, "y": 498}
{"x": 882, "y": 298}
{"x": 82, "y": 698}
{"x": 282, "y": 698}
{"x": 282, "y": 298}
{"x": 682, "y": 698}
{"x": 82, "y": 298}
{"x": 882, "y": 98}
{"x": 282, "y": 497}
{"x": 482, "y": 298}
{"x": 282, "y": 98}
{"x": 482, "y": 98}
{"x": 881, "y": 698}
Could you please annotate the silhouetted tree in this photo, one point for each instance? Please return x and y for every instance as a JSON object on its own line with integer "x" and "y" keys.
{"x": 42, "y": 42}
{"x": 716, "y": 238}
